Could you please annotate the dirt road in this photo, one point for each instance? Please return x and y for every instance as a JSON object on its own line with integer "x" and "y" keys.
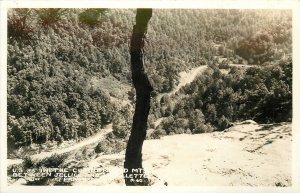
{"x": 90, "y": 140}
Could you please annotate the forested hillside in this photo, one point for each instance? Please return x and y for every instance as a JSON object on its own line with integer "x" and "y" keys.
{"x": 59, "y": 58}
{"x": 215, "y": 100}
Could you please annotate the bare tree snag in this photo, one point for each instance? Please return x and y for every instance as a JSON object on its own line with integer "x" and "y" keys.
{"x": 133, "y": 170}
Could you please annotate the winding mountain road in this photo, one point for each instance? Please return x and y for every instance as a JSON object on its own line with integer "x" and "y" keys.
{"x": 185, "y": 78}
{"x": 90, "y": 140}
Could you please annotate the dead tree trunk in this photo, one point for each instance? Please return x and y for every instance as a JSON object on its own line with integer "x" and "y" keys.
{"x": 133, "y": 170}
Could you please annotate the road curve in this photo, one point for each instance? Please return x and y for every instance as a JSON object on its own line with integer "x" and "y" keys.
{"x": 87, "y": 141}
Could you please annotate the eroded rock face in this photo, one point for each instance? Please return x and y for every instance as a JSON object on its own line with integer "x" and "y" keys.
{"x": 239, "y": 157}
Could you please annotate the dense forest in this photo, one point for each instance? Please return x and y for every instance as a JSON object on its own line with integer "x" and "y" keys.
{"x": 59, "y": 59}
{"x": 215, "y": 99}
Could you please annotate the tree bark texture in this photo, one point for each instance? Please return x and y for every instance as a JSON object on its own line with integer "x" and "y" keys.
{"x": 133, "y": 170}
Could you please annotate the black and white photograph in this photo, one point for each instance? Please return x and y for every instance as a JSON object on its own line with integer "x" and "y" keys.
{"x": 148, "y": 96}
